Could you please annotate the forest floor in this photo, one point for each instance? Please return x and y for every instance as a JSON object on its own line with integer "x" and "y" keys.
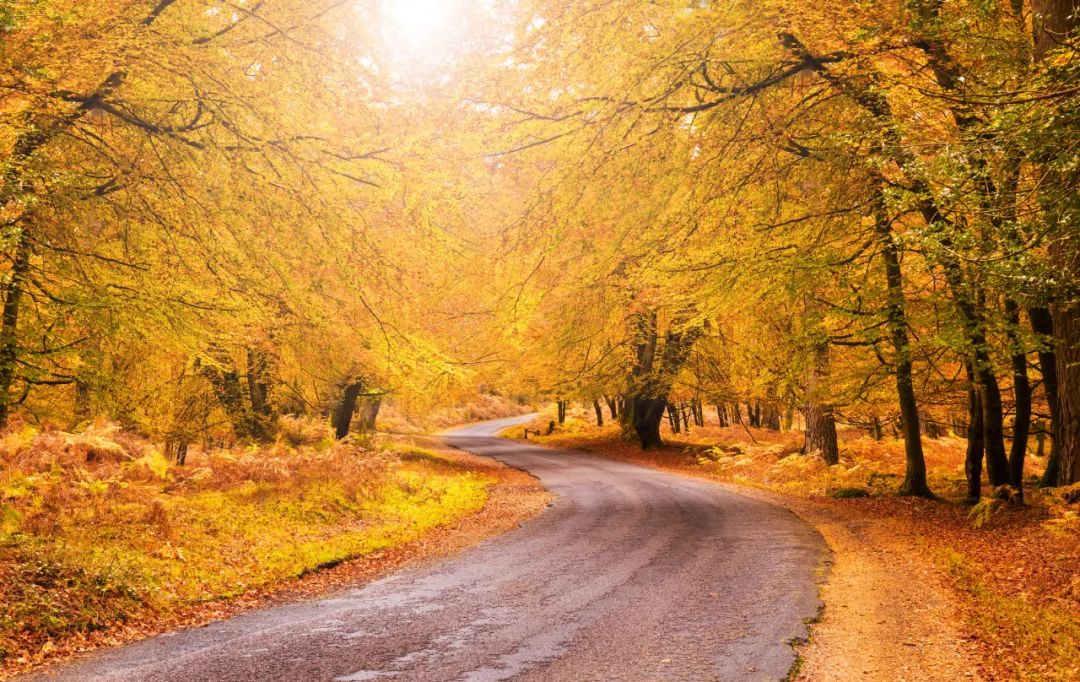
{"x": 127, "y": 546}
{"x": 918, "y": 589}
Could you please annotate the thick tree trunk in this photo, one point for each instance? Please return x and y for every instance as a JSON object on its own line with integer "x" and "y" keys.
{"x": 647, "y": 413}
{"x": 820, "y": 435}
{"x": 599, "y": 412}
{"x": 974, "y": 457}
{"x": 915, "y": 463}
{"x": 1067, "y": 429}
{"x": 1054, "y": 23}
{"x": 346, "y": 407}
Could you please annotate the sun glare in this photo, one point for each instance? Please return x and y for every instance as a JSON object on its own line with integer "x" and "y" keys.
{"x": 421, "y": 24}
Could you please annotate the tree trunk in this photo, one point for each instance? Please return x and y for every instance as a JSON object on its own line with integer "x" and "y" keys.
{"x": 1067, "y": 429}
{"x": 1042, "y": 323}
{"x": 346, "y": 407}
{"x": 612, "y": 407}
{"x": 820, "y": 435}
{"x": 673, "y": 419}
{"x": 647, "y": 413}
{"x": 1055, "y": 22}
{"x": 599, "y": 412}
{"x": 721, "y": 416}
{"x": 1022, "y": 400}
{"x": 258, "y": 382}
{"x": 83, "y": 409}
{"x": 9, "y": 324}
{"x": 561, "y": 408}
{"x": 369, "y": 413}
{"x": 915, "y": 463}
{"x": 974, "y": 457}
{"x": 225, "y": 381}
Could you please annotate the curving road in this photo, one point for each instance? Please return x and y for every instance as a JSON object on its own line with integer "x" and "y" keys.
{"x": 632, "y": 575}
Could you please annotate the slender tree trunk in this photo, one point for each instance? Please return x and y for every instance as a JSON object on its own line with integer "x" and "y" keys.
{"x": 974, "y": 457}
{"x": 83, "y": 409}
{"x": 915, "y": 474}
{"x": 721, "y": 416}
{"x": 599, "y": 412}
{"x": 9, "y": 324}
{"x": 561, "y": 408}
{"x": 346, "y": 407}
{"x": 1022, "y": 400}
{"x": 875, "y": 428}
{"x": 673, "y": 419}
{"x": 612, "y": 407}
{"x": 370, "y": 413}
{"x": 1042, "y": 323}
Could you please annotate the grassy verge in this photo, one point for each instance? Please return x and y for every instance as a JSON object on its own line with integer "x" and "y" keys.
{"x": 99, "y": 531}
{"x": 1016, "y": 570}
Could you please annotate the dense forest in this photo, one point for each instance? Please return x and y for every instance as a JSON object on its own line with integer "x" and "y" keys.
{"x": 220, "y": 217}
{"x": 862, "y": 213}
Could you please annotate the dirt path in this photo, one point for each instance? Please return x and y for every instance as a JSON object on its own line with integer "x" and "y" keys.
{"x": 888, "y": 615}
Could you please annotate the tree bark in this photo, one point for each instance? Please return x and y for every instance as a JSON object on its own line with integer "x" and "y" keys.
{"x": 612, "y": 404}
{"x": 1021, "y": 398}
{"x": 721, "y": 416}
{"x": 673, "y": 419}
{"x": 647, "y": 413}
{"x": 346, "y": 407}
{"x": 820, "y": 435}
{"x": 974, "y": 456}
{"x": 1042, "y": 323}
{"x": 9, "y": 324}
{"x": 599, "y": 412}
{"x": 896, "y": 320}
{"x": 369, "y": 413}
{"x": 1055, "y": 22}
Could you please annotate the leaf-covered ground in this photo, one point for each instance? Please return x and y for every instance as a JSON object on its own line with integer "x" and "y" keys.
{"x": 125, "y": 545}
{"x": 1010, "y": 576}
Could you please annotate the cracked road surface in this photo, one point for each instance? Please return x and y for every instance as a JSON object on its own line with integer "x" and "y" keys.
{"x": 632, "y": 575}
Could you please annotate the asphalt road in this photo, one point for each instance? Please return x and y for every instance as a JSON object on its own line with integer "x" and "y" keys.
{"x": 632, "y": 575}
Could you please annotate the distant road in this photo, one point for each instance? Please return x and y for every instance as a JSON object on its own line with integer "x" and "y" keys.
{"x": 633, "y": 575}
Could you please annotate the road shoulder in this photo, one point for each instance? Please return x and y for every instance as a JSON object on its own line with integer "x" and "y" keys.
{"x": 512, "y": 499}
